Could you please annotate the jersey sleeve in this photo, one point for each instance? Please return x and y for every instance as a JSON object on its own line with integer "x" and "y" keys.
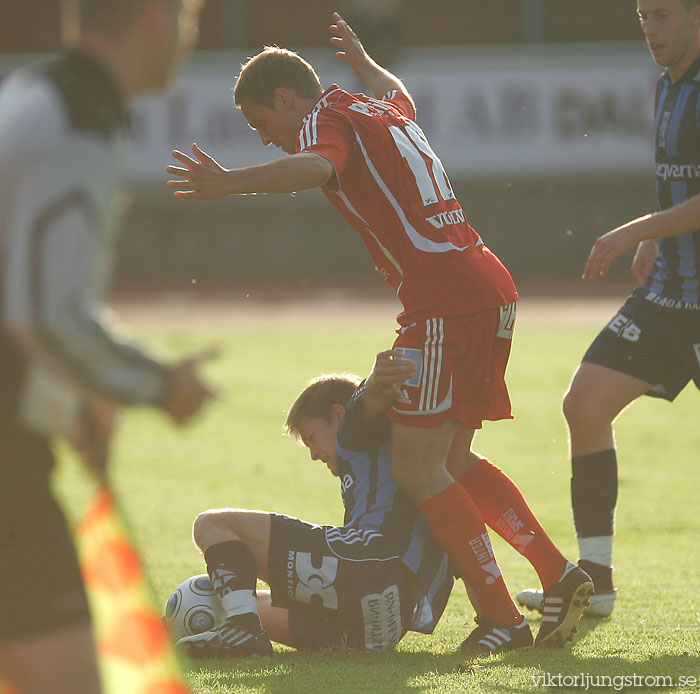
{"x": 401, "y": 102}
{"x": 57, "y": 263}
{"x": 361, "y": 434}
{"x": 330, "y": 134}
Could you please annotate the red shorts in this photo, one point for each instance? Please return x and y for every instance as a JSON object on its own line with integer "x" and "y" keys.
{"x": 461, "y": 364}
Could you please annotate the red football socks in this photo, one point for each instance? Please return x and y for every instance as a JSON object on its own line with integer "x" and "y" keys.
{"x": 505, "y": 510}
{"x": 458, "y": 526}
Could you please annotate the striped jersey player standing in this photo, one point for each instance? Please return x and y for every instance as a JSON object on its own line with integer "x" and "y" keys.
{"x": 376, "y": 167}
{"x": 652, "y": 345}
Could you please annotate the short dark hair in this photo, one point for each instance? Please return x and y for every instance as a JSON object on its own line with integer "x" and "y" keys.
{"x": 318, "y": 398}
{"x": 272, "y": 68}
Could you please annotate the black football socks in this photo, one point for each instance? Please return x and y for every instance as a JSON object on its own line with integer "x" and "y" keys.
{"x": 594, "y": 498}
{"x": 233, "y": 572}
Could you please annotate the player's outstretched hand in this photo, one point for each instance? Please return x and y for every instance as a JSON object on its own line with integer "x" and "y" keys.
{"x": 349, "y": 47}
{"x": 188, "y": 393}
{"x": 389, "y": 371}
{"x": 202, "y": 178}
{"x": 608, "y": 247}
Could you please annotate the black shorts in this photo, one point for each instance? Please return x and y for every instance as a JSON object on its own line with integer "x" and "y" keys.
{"x": 41, "y": 588}
{"x": 341, "y": 586}
{"x": 658, "y": 345}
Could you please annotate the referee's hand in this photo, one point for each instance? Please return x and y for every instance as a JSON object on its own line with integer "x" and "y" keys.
{"x": 188, "y": 393}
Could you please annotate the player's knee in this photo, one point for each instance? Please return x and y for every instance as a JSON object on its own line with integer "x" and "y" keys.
{"x": 212, "y": 526}
{"x": 582, "y": 410}
{"x": 200, "y": 528}
{"x": 573, "y": 407}
{"x": 568, "y": 406}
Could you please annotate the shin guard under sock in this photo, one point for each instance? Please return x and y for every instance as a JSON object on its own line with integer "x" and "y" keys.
{"x": 459, "y": 528}
{"x": 504, "y": 509}
{"x": 594, "y": 485}
{"x": 233, "y": 572}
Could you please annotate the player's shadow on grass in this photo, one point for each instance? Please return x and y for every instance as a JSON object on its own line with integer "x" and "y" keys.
{"x": 350, "y": 672}
{"x": 560, "y": 671}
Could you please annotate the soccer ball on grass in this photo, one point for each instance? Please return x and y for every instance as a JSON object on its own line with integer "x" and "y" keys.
{"x": 193, "y": 607}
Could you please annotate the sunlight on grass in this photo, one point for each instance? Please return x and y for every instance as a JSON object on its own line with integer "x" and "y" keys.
{"x": 236, "y": 455}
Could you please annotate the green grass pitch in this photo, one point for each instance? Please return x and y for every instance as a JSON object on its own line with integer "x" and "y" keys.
{"x": 235, "y": 455}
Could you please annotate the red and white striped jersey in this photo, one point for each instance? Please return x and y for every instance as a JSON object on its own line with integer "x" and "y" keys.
{"x": 393, "y": 190}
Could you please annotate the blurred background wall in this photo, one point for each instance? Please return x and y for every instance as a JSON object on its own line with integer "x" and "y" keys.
{"x": 539, "y": 109}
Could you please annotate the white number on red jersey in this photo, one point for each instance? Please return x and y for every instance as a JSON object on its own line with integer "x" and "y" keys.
{"x": 371, "y": 108}
{"x": 411, "y": 142}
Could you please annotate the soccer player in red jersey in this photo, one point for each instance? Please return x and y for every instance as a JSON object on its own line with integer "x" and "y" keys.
{"x": 376, "y": 167}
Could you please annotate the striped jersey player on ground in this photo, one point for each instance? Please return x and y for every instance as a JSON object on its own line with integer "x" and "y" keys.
{"x": 375, "y": 165}
{"x": 652, "y": 345}
{"x": 364, "y": 583}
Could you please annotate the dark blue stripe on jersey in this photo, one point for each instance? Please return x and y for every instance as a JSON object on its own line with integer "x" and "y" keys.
{"x": 685, "y": 249}
{"x": 348, "y": 496}
{"x": 676, "y": 272}
{"x": 679, "y": 192}
{"x": 661, "y": 91}
{"x": 676, "y": 118}
{"x": 658, "y": 276}
{"x": 378, "y": 500}
{"x": 373, "y": 481}
{"x": 360, "y": 489}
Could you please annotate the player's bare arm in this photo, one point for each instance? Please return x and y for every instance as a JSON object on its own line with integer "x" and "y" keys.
{"x": 350, "y": 50}
{"x": 644, "y": 258}
{"x": 681, "y": 219}
{"x": 382, "y": 386}
{"x": 203, "y": 178}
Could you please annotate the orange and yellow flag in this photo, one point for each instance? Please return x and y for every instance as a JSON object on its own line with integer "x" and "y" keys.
{"x": 136, "y": 656}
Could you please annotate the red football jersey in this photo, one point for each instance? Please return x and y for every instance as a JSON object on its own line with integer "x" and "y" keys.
{"x": 394, "y": 192}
